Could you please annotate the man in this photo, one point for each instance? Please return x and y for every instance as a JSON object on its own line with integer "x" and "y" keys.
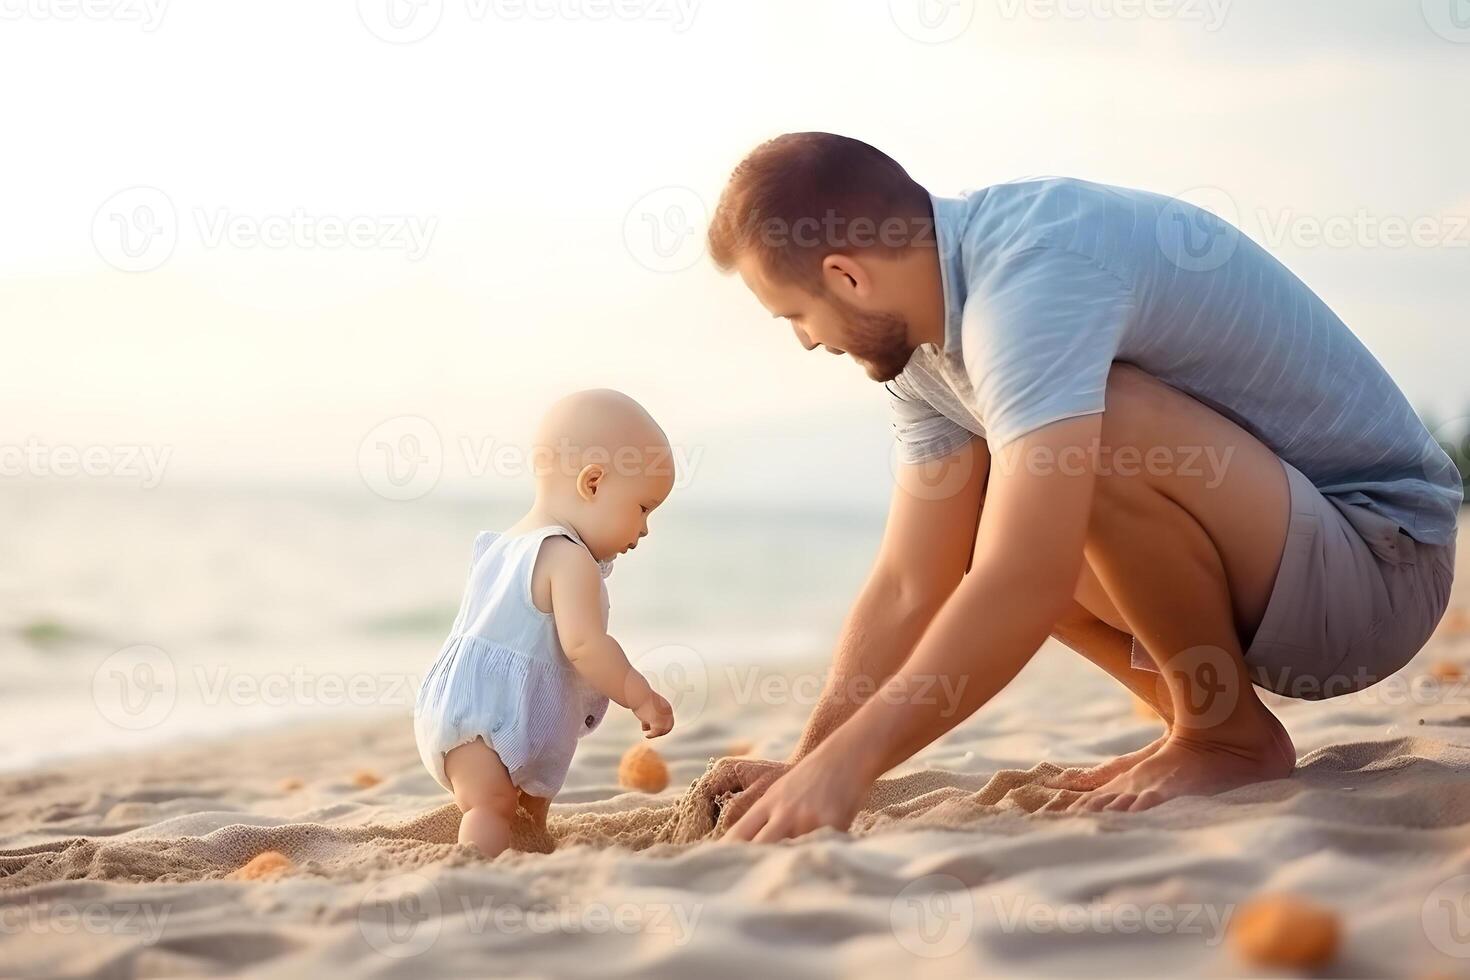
{"x": 1120, "y": 423}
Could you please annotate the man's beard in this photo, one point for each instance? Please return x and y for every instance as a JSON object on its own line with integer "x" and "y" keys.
{"x": 877, "y": 341}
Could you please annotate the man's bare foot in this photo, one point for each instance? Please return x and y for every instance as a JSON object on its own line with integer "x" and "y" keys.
{"x": 1188, "y": 765}
{"x": 1087, "y": 778}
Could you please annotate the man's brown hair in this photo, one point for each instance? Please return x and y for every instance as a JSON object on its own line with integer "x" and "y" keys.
{"x": 803, "y": 196}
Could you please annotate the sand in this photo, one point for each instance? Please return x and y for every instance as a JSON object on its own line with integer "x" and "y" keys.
{"x": 132, "y": 865}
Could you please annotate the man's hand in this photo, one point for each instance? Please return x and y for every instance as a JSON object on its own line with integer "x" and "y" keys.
{"x": 747, "y": 778}
{"x": 814, "y": 793}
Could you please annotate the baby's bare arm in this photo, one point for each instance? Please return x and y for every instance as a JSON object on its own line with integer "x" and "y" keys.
{"x": 576, "y": 606}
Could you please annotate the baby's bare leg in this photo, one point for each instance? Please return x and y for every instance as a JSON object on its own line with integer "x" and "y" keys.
{"x": 483, "y": 790}
{"x": 537, "y": 807}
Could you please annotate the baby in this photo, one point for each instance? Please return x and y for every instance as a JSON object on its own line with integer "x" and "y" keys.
{"x": 529, "y": 667}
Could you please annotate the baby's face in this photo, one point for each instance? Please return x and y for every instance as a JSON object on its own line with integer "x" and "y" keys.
{"x": 617, "y": 515}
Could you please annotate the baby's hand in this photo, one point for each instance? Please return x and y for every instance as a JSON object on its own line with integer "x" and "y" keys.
{"x": 656, "y": 714}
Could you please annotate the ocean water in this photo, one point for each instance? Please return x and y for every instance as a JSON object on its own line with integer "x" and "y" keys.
{"x": 133, "y": 618}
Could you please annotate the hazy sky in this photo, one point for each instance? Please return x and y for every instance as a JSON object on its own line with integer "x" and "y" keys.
{"x": 512, "y": 177}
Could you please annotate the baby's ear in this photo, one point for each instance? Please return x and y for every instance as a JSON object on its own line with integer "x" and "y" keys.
{"x": 589, "y": 480}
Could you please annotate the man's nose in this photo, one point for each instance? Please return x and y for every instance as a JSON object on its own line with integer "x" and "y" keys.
{"x": 802, "y": 338}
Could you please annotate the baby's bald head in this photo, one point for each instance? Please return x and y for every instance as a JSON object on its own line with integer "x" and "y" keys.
{"x": 601, "y": 457}
{"x": 599, "y": 426}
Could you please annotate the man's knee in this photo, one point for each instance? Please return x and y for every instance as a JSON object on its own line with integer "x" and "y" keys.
{"x": 1149, "y": 431}
{"x": 1138, "y": 406}
{"x": 1142, "y": 430}
{"x": 1075, "y": 619}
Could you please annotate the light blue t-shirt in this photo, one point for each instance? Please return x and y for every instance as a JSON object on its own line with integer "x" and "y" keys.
{"x": 1047, "y": 282}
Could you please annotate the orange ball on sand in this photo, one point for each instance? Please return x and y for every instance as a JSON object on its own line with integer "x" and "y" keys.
{"x": 643, "y": 769}
{"x": 1285, "y": 931}
{"x": 266, "y": 864}
{"x": 1445, "y": 670}
{"x": 1456, "y": 622}
{"x": 365, "y": 778}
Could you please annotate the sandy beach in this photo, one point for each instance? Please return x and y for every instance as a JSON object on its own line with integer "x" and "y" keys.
{"x": 817, "y": 326}
{"x": 131, "y": 865}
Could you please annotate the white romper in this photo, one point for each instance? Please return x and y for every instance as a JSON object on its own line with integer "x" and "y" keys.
{"x": 503, "y": 676}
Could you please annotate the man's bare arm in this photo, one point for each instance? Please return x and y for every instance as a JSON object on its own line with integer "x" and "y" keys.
{"x": 926, "y": 549}
{"x": 927, "y": 544}
{"x": 1028, "y": 554}
{"x": 1027, "y": 559}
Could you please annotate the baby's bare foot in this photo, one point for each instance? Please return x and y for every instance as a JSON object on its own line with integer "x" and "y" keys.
{"x": 1091, "y": 777}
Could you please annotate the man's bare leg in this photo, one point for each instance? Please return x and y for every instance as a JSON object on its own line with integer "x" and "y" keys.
{"x": 1186, "y": 549}
{"x": 1088, "y": 629}
{"x": 1095, "y": 629}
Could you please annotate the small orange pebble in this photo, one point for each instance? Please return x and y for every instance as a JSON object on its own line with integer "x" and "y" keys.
{"x": 290, "y": 784}
{"x": 266, "y": 864}
{"x": 1444, "y": 670}
{"x": 1286, "y": 931}
{"x": 1456, "y": 621}
{"x": 741, "y": 746}
{"x": 364, "y": 778}
{"x": 643, "y": 769}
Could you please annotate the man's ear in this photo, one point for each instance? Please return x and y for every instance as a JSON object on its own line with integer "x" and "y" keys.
{"x": 589, "y": 480}
{"x": 846, "y": 276}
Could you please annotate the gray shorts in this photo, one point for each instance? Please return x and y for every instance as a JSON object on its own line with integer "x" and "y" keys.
{"x": 1355, "y": 598}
